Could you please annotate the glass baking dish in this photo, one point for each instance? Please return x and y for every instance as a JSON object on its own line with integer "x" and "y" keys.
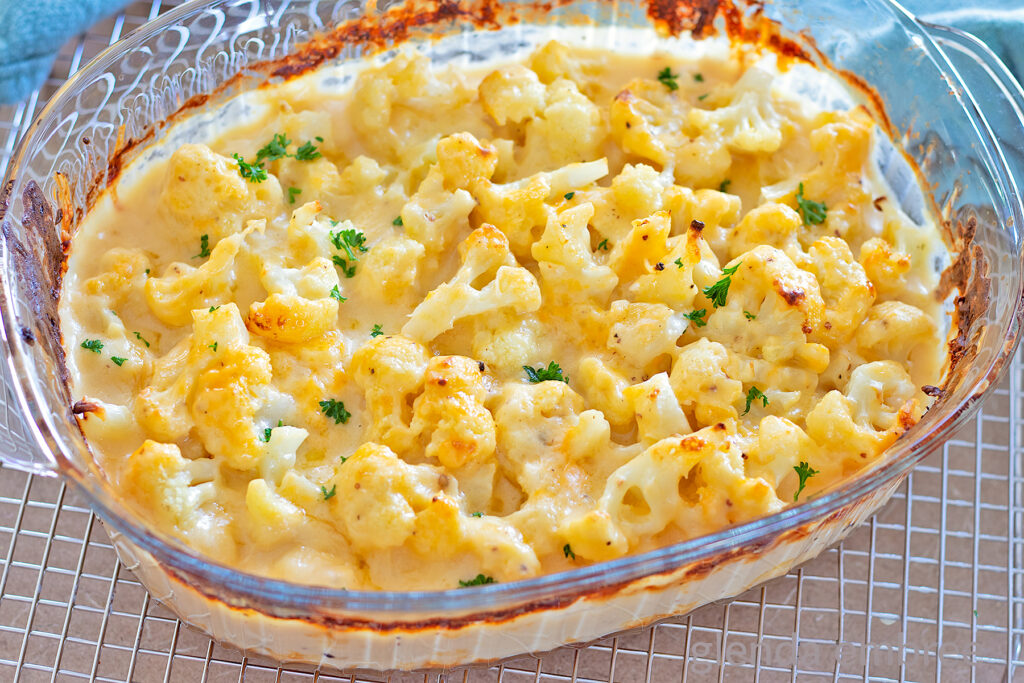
{"x": 952, "y": 107}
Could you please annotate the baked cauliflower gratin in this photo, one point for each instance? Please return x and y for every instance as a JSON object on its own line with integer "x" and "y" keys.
{"x": 443, "y": 327}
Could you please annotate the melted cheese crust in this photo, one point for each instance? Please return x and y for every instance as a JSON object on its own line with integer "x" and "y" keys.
{"x": 572, "y": 208}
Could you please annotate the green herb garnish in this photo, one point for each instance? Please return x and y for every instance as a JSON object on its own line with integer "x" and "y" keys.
{"x": 336, "y": 294}
{"x": 479, "y": 580}
{"x": 755, "y": 394}
{"x": 212, "y": 347}
{"x": 805, "y": 472}
{"x": 204, "y": 247}
{"x": 213, "y": 308}
{"x": 118, "y": 361}
{"x": 698, "y": 77}
{"x": 307, "y": 152}
{"x": 724, "y": 185}
{"x": 603, "y": 244}
{"x": 551, "y": 372}
{"x": 567, "y": 549}
{"x": 720, "y": 290}
{"x": 139, "y": 337}
{"x": 335, "y": 410}
{"x": 668, "y": 79}
{"x": 749, "y": 316}
{"x": 476, "y": 514}
{"x": 266, "y": 434}
{"x": 254, "y": 173}
{"x": 697, "y": 317}
{"x": 569, "y": 195}
{"x": 376, "y": 331}
{"x": 347, "y": 269}
{"x": 292, "y": 191}
{"x": 329, "y": 494}
{"x": 94, "y": 345}
{"x": 812, "y": 213}
{"x": 397, "y": 221}
{"x": 276, "y": 149}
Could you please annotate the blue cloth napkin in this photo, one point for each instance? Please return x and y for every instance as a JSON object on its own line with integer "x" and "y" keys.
{"x": 31, "y": 32}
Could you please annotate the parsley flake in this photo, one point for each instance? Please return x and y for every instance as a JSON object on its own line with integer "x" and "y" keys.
{"x": 254, "y": 173}
{"x": 603, "y": 244}
{"x": 292, "y": 191}
{"x": 551, "y": 372}
{"x": 749, "y": 316}
{"x": 93, "y": 345}
{"x": 276, "y": 149}
{"x": 307, "y": 152}
{"x": 805, "y": 472}
{"x": 476, "y": 514}
{"x": 697, "y": 317}
{"x": 724, "y": 185}
{"x": 720, "y": 290}
{"x": 567, "y": 549}
{"x": 703, "y": 97}
{"x": 329, "y": 494}
{"x": 698, "y": 77}
{"x": 376, "y": 331}
{"x": 679, "y": 262}
{"x": 398, "y": 222}
{"x": 349, "y": 240}
{"x": 212, "y": 347}
{"x": 569, "y": 195}
{"x": 349, "y": 270}
{"x": 335, "y": 410}
{"x": 668, "y": 79}
{"x": 147, "y": 271}
{"x": 213, "y": 308}
{"x": 118, "y": 361}
{"x": 812, "y": 213}
{"x": 478, "y": 580}
{"x": 266, "y": 434}
{"x": 336, "y": 294}
{"x": 755, "y": 394}
{"x": 139, "y": 337}
{"x": 204, "y": 247}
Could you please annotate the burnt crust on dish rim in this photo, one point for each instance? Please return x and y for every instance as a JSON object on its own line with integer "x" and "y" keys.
{"x": 40, "y": 264}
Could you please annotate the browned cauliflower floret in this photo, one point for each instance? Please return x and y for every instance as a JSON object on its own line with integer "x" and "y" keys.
{"x": 845, "y": 289}
{"x": 463, "y": 160}
{"x": 389, "y": 369}
{"x": 451, "y": 412}
{"x": 773, "y": 224}
{"x": 485, "y": 255}
{"x": 604, "y": 388}
{"x": 435, "y": 216}
{"x": 701, "y": 384}
{"x": 716, "y": 212}
{"x": 885, "y": 267}
{"x": 786, "y": 306}
{"x": 900, "y": 332}
{"x": 658, "y": 414}
{"x": 749, "y": 122}
{"x": 671, "y": 271}
{"x": 640, "y": 333}
{"x": 204, "y": 192}
{"x": 512, "y": 94}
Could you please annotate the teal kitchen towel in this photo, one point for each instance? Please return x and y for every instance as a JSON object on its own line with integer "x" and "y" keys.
{"x": 31, "y": 33}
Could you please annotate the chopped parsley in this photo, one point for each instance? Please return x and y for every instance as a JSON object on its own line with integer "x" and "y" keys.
{"x": 94, "y": 345}
{"x": 212, "y": 347}
{"x": 603, "y": 244}
{"x": 307, "y": 152}
{"x": 147, "y": 271}
{"x": 118, "y": 361}
{"x": 343, "y": 459}
{"x": 376, "y": 331}
{"x": 204, "y": 247}
{"x": 567, "y": 549}
{"x": 254, "y": 173}
{"x": 398, "y": 222}
{"x": 292, "y": 191}
{"x": 812, "y": 213}
{"x": 720, "y": 290}
{"x": 476, "y": 514}
{"x": 329, "y": 494}
{"x": 551, "y": 372}
{"x": 569, "y": 195}
{"x": 213, "y": 308}
{"x": 749, "y": 316}
{"x": 266, "y": 434}
{"x": 724, "y": 185}
{"x": 336, "y": 294}
{"x": 703, "y": 97}
{"x": 348, "y": 270}
{"x": 753, "y": 395}
{"x": 697, "y": 317}
{"x": 139, "y": 337}
{"x": 478, "y": 580}
{"x": 335, "y": 410}
{"x": 352, "y": 242}
{"x": 698, "y": 77}
{"x": 668, "y": 79}
{"x": 679, "y": 262}
{"x": 276, "y": 149}
{"x": 805, "y": 472}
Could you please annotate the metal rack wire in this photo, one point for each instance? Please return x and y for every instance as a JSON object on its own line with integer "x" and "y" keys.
{"x": 932, "y": 588}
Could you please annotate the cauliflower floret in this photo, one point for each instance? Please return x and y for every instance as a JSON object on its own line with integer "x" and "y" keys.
{"x": 749, "y": 123}
{"x": 565, "y": 260}
{"x": 569, "y": 129}
{"x": 658, "y": 414}
{"x": 773, "y": 224}
{"x": 181, "y": 495}
{"x": 434, "y": 216}
{"x": 641, "y": 333}
{"x": 292, "y": 317}
{"x": 504, "y": 340}
{"x": 716, "y": 212}
{"x": 391, "y": 268}
{"x": 604, "y": 389}
{"x": 671, "y": 271}
{"x": 781, "y": 446}
{"x": 518, "y": 208}
{"x": 845, "y": 289}
{"x": 451, "y": 411}
{"x": 183, "y": 288}
{"x": 878, "y": 406}
{"x": 512, "y": 93}
{"x": 390, "y": 369}
{"x": 897, "y": 331}
{"x": 361, "y": 176}
{"x": 886, "y": 267}
{"x": 463, "y": 160}
{"x": 484, "y": 253}
{"x": 123, "y": 270}
{"x": 702, "y": 385}
{"x": 204, "y": 191}
{"x": 786, "y": 306}
{"x": 273, "y": 518}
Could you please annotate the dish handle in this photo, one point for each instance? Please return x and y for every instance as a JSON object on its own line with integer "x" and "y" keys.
{"x": 993, "y": 92}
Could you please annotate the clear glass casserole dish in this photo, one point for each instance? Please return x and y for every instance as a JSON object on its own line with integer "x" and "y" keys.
{"x": 951, "y": 106}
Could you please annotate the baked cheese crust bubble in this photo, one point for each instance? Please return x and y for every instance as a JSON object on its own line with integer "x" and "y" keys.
{"x": 454, "y": 326}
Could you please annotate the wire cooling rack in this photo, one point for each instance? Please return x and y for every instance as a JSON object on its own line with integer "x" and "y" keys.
{"x": 932, "y": 588}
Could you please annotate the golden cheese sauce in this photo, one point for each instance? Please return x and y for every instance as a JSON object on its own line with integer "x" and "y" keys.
{"x": 446, "y": 327}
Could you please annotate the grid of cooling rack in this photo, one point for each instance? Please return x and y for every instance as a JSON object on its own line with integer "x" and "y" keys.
{"x": 932, "y": 588}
